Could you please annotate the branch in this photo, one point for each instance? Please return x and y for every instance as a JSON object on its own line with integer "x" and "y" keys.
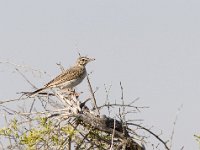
{"x": 141, "y": 127}
{"x": 93, "y": 96}
{"x": 23, "y": 66}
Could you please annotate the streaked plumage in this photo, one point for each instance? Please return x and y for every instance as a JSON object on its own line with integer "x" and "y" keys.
{"x": 69, "y": 78}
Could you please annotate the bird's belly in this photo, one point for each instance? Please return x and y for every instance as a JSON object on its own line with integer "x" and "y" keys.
{"x": 74, "y": 82}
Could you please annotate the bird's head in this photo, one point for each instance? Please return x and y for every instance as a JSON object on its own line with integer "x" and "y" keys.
{"x": 84, "y": 60}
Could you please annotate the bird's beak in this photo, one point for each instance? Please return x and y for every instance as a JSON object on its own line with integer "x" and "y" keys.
{"x": 91, "y": 59}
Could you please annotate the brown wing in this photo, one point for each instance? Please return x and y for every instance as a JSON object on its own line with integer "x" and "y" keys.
{"x": 67, "y": 75}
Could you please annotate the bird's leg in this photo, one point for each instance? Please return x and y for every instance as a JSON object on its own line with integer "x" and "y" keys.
{"x": 64, "y": 91}
{"x": 68, "y": 91}
{"x": 73, "y": 92}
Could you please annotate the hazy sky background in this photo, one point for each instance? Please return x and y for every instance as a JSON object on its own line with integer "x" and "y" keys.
{"x": 153, "y": 47}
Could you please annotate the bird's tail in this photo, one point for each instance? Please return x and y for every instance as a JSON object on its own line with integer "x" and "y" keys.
{"x": 36, "y": 92}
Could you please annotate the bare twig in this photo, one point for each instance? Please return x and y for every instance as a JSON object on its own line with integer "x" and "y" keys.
{"x": 93, "y": 96}
{"x": 108, "y": 105}
{"x": 121, "y": 105}
{"x": 25, "y": 78}
{"x": 11, "y": 100}
{"x": 113, "y": 135}
{"x": 107, "y": 99}
{"x": 174, "y": 124}
{"x": 148, "y": 130}
{"x": 23, "y": 66}
{"x": 61, "y": 67}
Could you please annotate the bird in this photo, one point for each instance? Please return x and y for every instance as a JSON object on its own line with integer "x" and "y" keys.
{"x": 69, "y": 78}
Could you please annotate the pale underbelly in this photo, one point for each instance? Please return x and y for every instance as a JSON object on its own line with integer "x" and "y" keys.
{"x": 72, "y": 83}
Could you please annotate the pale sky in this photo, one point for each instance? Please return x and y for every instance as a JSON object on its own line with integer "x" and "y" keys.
{"x": 152, "y": 47}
